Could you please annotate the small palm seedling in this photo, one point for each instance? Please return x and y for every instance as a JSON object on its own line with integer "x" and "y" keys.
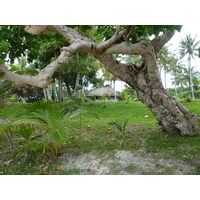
{"x": 49, "y": 119}
{"x": 53, "y": 119}
{"x": 10, "y": 115}
{"x": 126, "y": 97}
{"x": 122, "y": 129}
{"x": 104, "y": 101}
{"x": 25, "y": 131}
{"x": 4, "y": 87}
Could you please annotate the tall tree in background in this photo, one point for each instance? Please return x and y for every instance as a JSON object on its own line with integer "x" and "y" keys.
{"x": 164, "y": 62}
{"x": 175, "y": 68}
{"x": 189, "y": 47}
{"x": 184, "y": 77}
{"x": 145, "y": 79}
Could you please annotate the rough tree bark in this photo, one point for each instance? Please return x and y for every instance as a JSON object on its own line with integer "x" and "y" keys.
{"x": 172, "y": 115}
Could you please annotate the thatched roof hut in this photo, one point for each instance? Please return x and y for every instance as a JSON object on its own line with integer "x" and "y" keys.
{"x": 98, "y": 92}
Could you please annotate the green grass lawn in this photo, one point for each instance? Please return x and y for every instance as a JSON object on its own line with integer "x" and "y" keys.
{"x": 91, "y": 132}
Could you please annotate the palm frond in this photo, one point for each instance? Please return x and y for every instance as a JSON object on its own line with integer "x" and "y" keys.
{"x": 5, "y": 86}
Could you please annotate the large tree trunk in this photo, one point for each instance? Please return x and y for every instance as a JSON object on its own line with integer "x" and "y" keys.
{"x": 167, "y": 110}
{"x": 172, "y": 115}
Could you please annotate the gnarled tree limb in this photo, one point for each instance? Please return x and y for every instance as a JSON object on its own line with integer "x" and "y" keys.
{"x": 159, "y": 41}
{"x": 108, "y": 43}
{"x": 140, "y": 48}
{"x": 44, "y": 78}
{"x": 123, "y": 71}
{"x": 69, "y": 34}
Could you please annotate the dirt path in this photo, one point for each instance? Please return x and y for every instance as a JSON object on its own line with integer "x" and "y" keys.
{"x": 125, "y": 163}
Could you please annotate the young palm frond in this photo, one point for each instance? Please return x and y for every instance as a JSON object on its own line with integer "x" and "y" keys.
{"x": 12, "y": 116}
{"x": 51, "y": 119}
{"x": 54, "y": 121}
{"x": 5, "y": 86}
{"x": 122, "y": 129}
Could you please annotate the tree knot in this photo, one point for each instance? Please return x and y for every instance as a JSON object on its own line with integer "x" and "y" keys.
{"x": 144, "y": 44}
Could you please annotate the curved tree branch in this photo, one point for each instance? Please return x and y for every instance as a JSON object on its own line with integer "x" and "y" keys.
{"x": 125, "y": 72}
{"x": 82, "y": 43}
{"x": 140, "y": 48}
{"x": 159, "y": 41}
{"x": 44, "y": 78}
{"x": 68, "y": 33}
{"x": 111, "y": 41}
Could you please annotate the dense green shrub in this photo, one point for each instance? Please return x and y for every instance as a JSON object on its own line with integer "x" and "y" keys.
{"x": 28, "y": 93}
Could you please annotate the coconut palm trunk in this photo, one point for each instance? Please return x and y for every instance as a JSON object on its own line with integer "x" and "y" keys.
{"x": 114, "y": 88}
{"x": 55, "y": 92}
{"x": 175, "y": 88}
{"x": 60, "y": 84}
{"x": 165, "y": 75}
{"x": 49, "y": 92}
{"x": 78, "y": 73}
{"x": 190, "y": 76}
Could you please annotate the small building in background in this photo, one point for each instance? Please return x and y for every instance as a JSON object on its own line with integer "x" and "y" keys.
{"x": 109, "y": 92}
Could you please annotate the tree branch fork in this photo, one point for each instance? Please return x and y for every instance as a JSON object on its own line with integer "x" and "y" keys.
{"x": 80, "y": 43}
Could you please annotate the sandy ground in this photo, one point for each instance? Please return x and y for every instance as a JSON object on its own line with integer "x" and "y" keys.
{"x": 124, "y": 163}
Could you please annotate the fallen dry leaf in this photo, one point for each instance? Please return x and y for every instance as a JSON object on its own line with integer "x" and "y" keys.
{"x": 8, "y": 162}
{"x": 45, "y": 168}
{"x": 59, "y": 167}
{"x": 42, "y": 160}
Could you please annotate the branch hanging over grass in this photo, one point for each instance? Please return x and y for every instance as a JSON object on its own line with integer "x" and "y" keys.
{"x": 41, "y": 80}
{"x": 44, "y": 78}
{"x": 82, "y": 43}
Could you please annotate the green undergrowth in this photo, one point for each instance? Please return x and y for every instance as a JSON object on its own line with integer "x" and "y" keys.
{"x": 91, "y": 131}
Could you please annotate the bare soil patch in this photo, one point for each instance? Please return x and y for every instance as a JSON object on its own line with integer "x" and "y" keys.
{"x": 125, "y": 163}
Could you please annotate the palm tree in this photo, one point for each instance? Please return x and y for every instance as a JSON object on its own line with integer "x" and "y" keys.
{"x": 163, "y": 62}
{"x": 183, "y": 77}
{"x": 188, "y": 46}
{"x": 5, "y": 85}
{"x": 175, "y": 68}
